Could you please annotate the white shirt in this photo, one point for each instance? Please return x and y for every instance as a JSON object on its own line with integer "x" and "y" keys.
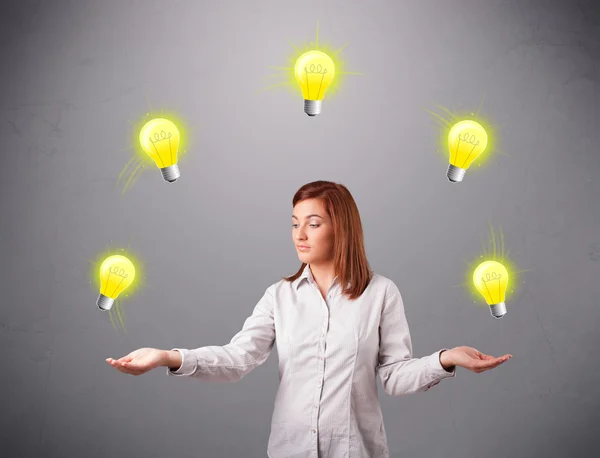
{"x": 330, "y": 352}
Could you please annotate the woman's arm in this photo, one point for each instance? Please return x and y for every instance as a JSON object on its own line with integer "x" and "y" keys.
{"x": 248, "y": 349}
{"x": 398, "y": 371}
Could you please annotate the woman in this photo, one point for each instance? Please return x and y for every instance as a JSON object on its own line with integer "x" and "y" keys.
{"x": 338, "y": 326}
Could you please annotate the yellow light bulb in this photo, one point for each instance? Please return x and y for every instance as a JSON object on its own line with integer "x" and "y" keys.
{"x": 314, "y": 72}
{"x": 159, "y": 138}
{"x": 491, "y": 280}
{"x": 466, "y": 141}
{"x": 116, "y": 274}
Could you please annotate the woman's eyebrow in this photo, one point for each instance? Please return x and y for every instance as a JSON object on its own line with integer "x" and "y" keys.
{"x": 309, "y": 216}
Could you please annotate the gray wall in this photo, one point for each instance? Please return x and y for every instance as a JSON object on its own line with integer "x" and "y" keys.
{"x": 76, "y": 76}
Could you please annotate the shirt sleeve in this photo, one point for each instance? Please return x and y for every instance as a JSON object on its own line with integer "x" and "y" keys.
{"x": 398, "y": 371}
{"x": 248, "y": 349}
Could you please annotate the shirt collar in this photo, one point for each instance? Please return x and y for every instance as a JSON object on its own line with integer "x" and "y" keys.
{"x": 307, "y": 275}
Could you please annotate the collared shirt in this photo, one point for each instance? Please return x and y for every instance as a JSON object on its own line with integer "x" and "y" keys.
{"x": 330, "y": 351}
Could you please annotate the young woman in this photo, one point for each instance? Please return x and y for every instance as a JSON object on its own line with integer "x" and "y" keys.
{"x": 337, "y": 326}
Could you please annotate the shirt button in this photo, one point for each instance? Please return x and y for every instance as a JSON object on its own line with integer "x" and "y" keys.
{"x": 314, "y": 431}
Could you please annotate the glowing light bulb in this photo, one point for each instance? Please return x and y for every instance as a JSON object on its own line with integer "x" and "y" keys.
{"x": 160, "y": 140}
{"x": 116, "y": 274}
{"x": 314, "y": 72}
{"x": 466, "y": 141}
{"x": 491, "y": 280}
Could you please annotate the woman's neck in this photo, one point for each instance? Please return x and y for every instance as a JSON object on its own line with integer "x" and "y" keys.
{"x": 323, "y": 274}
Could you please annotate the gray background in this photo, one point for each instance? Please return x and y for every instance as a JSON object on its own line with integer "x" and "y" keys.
{"x": 75, "y": 75}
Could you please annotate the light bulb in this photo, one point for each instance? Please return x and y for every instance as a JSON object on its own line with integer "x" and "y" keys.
{"x": 314, "y": 72}
{"x": 116, "y": 274}
{"x": 160, "y": 140}
{"x": 491, "y": 279}
{"x": 466, "y": 141}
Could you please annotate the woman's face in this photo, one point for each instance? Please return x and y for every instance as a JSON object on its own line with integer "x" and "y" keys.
{"x": 312, "y": 232}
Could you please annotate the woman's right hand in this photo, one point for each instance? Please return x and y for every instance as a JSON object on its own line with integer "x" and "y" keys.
{"x": 139, "y": 361}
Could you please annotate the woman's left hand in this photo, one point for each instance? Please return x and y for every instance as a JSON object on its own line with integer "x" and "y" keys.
{"x": 472, "y": 359}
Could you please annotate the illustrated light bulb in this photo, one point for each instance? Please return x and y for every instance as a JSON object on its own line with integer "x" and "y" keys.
{"x": 160, "y": 140}
{"x": 314, "y": 72}
{"x": 116, "y": 274}
{"x": 466, "y": 141}
{"x": 491, "y": 279}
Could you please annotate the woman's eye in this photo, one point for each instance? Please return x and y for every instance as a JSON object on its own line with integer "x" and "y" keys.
{"x": 314, "y": 225}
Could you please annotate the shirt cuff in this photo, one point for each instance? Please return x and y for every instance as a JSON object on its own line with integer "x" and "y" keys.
{"x": 433, "y": 362}
{"x": 189, "y": 363}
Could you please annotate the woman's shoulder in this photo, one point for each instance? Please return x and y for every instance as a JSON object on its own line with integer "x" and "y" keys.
{"x": 279, "y": 285}
{"x": 380, "y": 279}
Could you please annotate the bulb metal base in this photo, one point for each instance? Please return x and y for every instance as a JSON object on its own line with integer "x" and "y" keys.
{"x": 312, "y": 107}
{"x": 104, "y": 302}
{"x": 170, "y": 173}
{"x": 455, "y": 174}
{"x": 498, "y": 310}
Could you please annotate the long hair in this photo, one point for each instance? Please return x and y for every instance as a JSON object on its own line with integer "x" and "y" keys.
{"x": 350, "y": 259}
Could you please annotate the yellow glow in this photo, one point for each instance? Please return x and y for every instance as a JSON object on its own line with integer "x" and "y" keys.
{"x": 466, "y": 141}
{"x": 116, "y": 274}
{"x": 139, "y": 282}
{"x": 491, "y": 280}
{"x": 140, "y": 160}
{"x": 159, "y": 138}
{"x": 288, "y": 73}
{"x": 494, "y": 250}
{"x": 96, "y": 263}
{"x": 314, "y": 71}
{"x": 445, "y": 118}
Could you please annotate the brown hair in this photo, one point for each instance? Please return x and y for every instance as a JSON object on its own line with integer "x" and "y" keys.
{"x": 350, "y": 259}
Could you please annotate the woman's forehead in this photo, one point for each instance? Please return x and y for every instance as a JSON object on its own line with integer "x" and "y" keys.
{"x": 308, "y": 208}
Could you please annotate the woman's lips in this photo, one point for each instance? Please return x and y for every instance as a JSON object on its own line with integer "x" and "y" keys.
{"x": 303, "y": 248}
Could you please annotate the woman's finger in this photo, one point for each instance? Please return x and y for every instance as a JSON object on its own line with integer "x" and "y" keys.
{"x": 496, "y": 358}
{"x": 487, "y": 357}
{"x": 122, "y": 367}
{"x": 487, "y": 365}
{"x": 137, "y": 365}
{"x": 128, "y": 369}
{"x": 125, "y": 359}
{"x": 125, "y": 367}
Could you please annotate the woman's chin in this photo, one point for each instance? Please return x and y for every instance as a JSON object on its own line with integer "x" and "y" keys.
{"x": 304, "y": 258}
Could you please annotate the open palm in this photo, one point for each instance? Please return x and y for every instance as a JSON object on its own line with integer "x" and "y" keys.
{"x": 139, "y": 361}
{"x": 472, "y": 359}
